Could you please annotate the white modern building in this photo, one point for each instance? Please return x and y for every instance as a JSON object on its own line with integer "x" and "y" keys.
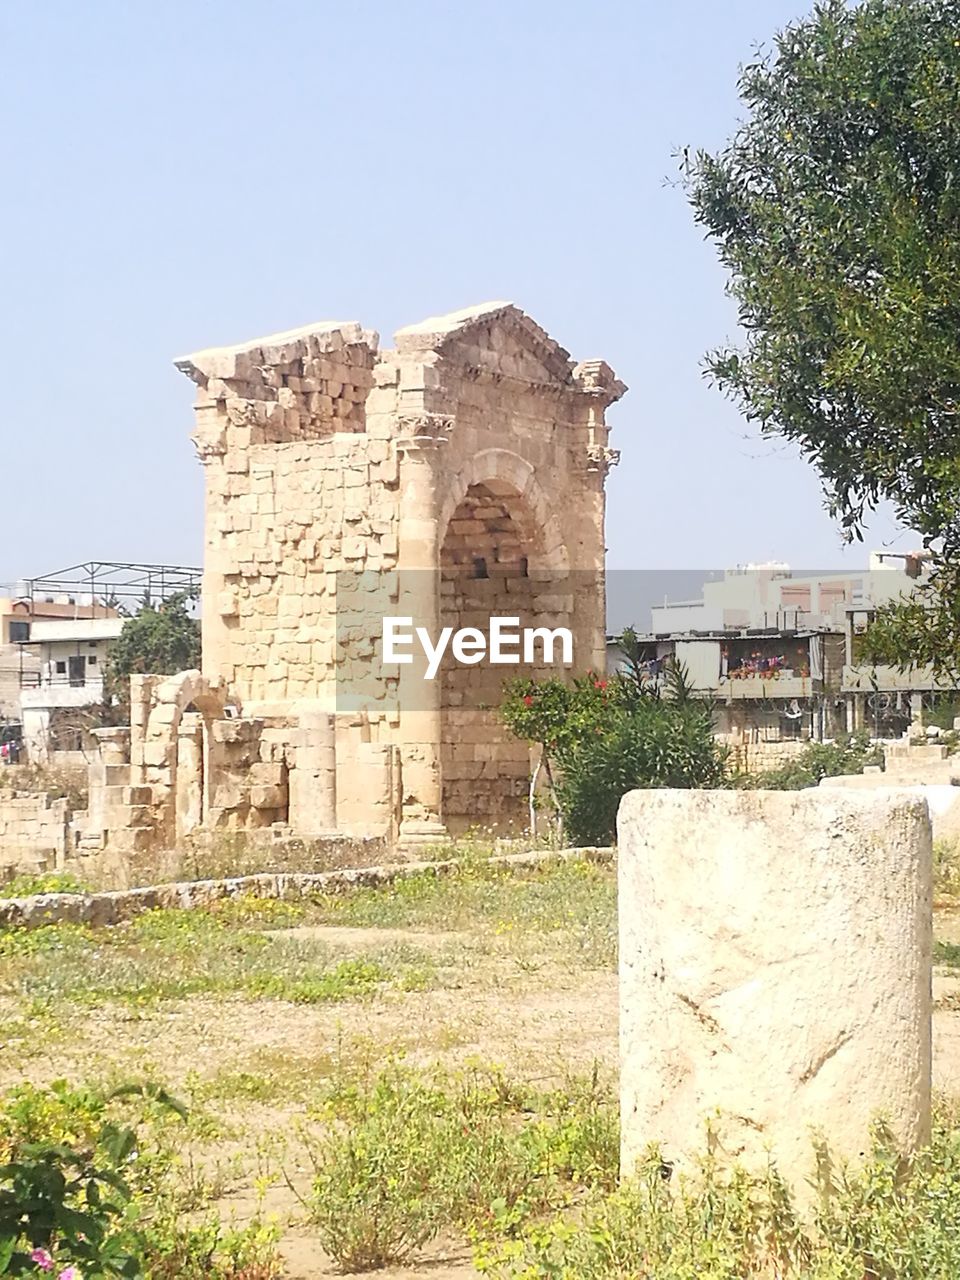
{"x": 776, "y": 651}
{"x": 774, "y": 597}
{"x": 72, "y": 658}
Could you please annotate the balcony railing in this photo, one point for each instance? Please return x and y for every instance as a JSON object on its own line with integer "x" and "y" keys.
{"x": 37, "y": 680}
{"x": 770, "y": 684}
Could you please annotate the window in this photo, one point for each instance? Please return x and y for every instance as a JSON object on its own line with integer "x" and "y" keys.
{"x": 92, "y": 660}
{"x": 61, "y": 668}
{"x": 19, "y": 632}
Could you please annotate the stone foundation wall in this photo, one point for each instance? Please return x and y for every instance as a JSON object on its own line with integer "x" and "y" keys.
{"x": 760, "y": 757}
{"x": 34, "y": 834}
{"x": 112, "y": 908}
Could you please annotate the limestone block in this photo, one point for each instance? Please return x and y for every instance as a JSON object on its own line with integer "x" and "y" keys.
{"x": 157, "y": 754}
{"x": 269, "y": 796}
{"x": 775, "y": 972}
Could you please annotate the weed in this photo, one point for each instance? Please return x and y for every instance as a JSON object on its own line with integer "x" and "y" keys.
{"x": 403, "y": 1155}
{"x": 51, "y": 882}
{"x": 946, "y": 868}
{"x": 575, "y": 900}
{"x": 170, "y": 954}
{"x": 892, "y": 1220}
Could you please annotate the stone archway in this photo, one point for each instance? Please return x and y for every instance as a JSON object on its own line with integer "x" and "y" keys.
{"x": 500, "y": 555}
{"x": 169, "y": 755}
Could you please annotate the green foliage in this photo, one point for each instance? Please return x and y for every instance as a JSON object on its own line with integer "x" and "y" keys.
{"x": 207, "y": 1250}
{"x": 894, "y": 1220}
{"x": 50, "y": 882}
{"x": 849, "y": 754}
{"x": 405, "y": 1155}
{"x": 65, "y": 1189}
{"x": 946, "y": 868}
{"x": 159, "y": 640}
{"x": 89, "y": 1180}
{"x": 836, "y": 211}
{"x": 173, "y": 954}
{"x": 920, "y": 630}
{"x": 941, "y": 710}
{"x": 610, "y": 735}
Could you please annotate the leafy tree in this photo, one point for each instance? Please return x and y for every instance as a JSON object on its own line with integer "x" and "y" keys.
{"x": 835, "y": 208}
{"x": 607, "y": 736}
{"x": 159, "y": 640}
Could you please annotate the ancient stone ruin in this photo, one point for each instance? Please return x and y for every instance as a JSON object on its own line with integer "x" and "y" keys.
{"x": 457, "y": 476}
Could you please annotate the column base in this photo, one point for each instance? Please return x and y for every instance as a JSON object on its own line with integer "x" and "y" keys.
{"x": 418, "y": 834}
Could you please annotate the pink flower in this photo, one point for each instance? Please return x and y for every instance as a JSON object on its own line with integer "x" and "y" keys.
{"x": 42, "y": 1259}
{"x": 70, "y": 1273}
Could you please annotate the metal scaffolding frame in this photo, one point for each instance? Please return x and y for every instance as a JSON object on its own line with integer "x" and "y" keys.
{"x": 116, "y": 585}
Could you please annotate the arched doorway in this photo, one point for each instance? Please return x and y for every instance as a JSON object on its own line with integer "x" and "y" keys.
{"x": 493, "y": 562}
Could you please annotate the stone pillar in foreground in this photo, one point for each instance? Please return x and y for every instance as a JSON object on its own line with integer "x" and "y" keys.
{"x": 775, "y": 973}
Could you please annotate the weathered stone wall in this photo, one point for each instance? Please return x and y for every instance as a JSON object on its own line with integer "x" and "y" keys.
{"x": 112, "y": 908}
{"x": 759, "y": 757}
{"x": 34, "y": 833}
{"x": 775, "y": 973}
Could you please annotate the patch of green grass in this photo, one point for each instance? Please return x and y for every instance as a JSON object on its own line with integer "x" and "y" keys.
{"x": 66, "y": 938}
{"x": 51, "y": 882}
{"x": 574, "y": 902}
{"x": 176, "y": 954}
{"x": 947, "y": 953}
{"x": 405, "y": 1154}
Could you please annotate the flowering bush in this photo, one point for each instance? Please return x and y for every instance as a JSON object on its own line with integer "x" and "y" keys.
{"x": 65, "y": 1184}
{"x": 607, "y": 735}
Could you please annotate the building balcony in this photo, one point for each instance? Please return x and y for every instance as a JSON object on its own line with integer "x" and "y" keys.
{"x": 38, "y": 692}
{"x": 768, "y": 684}
{"x": 891, "y": 679}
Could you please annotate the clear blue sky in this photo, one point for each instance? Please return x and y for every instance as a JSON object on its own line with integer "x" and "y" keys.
{"x": 187, "y": 173}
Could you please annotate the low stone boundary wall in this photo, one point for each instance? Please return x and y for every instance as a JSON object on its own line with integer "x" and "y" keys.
{"x": 112, "y": 908}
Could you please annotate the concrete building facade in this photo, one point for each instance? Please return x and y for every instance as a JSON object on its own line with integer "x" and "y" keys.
{"x": 71, "y": 660}
{"x": 776, "y": 651}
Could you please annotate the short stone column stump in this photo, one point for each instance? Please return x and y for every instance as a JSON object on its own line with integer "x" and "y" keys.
{"x": 775, "y": 974}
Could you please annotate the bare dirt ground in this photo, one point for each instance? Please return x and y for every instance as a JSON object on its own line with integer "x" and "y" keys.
{"x": 536, "y": 1018}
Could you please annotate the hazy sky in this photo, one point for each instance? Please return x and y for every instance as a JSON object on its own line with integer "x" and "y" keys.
{"x": 181, "y": 173}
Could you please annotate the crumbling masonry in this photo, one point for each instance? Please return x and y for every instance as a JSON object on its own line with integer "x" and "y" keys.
{"x": 457, "y": 476}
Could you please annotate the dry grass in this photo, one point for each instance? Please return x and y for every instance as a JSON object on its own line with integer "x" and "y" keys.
{"x": 253, "y": 1013}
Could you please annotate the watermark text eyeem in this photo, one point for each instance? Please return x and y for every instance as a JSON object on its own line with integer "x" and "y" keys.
{"x": 505, "y": 644}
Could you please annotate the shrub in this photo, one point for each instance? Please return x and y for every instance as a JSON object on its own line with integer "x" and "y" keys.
{"x": 848, "y": 754}
{"x": 89, "y": 1181}
{"x": 895, "y": 1219}
{"x": 65, "y": 1184}
{"x": 403, "y": 1157}
{"x": 608, "y": 736}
